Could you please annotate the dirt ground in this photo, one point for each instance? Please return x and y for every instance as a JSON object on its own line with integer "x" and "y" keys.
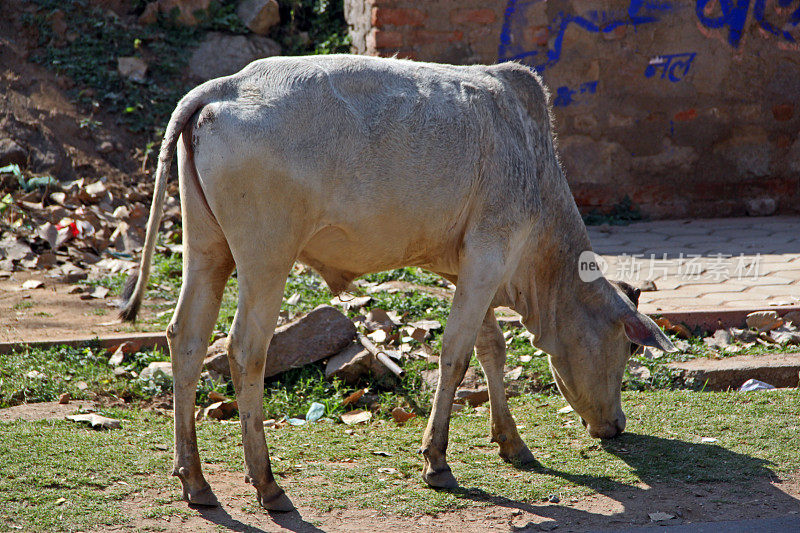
{"x": 51, "y": 312}
{"x": 612, "y": 511}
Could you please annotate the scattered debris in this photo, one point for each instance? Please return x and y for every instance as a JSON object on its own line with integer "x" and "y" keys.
{"x": 514, "y": 374}
{"x": 678, "y": 329}
{"x": 219, "y": 410}
{"x": 565, "y": 410}
{"x": 96, "y": 421}
{"x": 352, "y": 363}
{"x": 648, "y": 286}
{"x": 348, "y": 301}
{"x": 358, "y": 416}
{"x": 315, "y": 412}
{"x": 401, "y": 416}
{"x": 763, "y": 321}
{"x": 33, "y": 284}
{"x": 64, "y": 398}
{"x": 132, "y": 68}
{"x": 754, "y": 384}
{"x": 708, "y": 440}
{"x": 638, "y": 371}
{"x": 381, "y": 356}
{"x": 157, "y": 369}
{"x": 473, "y": 397}
{"x": 660, "y": 516}
{"x": 354, "y": 397}
{"x": 259, "y": 15}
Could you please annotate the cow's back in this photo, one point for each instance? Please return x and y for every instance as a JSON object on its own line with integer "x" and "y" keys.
{"x": 406, "y": 152}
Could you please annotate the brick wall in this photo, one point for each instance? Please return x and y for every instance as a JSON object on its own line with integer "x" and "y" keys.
{"x": 688, "y": 108}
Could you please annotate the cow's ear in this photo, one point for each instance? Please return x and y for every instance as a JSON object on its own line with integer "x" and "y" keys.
{"x": 641, "y": 330}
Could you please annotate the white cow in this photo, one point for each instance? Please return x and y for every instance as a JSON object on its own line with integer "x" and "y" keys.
{"x": 359, "y": 164}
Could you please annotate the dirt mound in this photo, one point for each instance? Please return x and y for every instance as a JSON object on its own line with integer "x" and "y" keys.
{"x": 42, "y": 130}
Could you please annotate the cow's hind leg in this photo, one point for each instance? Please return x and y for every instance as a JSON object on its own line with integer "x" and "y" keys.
{"x": 478, "y": 279}
{"x": 490, "y": 349}
{"x": 207, "y": 266}
{"x": 260, "y": 294}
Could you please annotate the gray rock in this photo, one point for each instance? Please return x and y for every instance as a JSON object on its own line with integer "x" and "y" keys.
{"x": 11, "y": 152}
{"x": 132, "y": 68}
{"x": 321, "y": 333}
{"x": 259, "y": 15}
{"x": 353, "y": 363}
{"x": 761, "y": 207}
{"x": 220, "y": 54}
{"x": 154, "y": 369}
{"x": 763, "y": 321}
{"x": 474, "y": 397}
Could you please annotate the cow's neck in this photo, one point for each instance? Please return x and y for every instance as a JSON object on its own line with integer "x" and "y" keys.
{"x": 546, "y": 284}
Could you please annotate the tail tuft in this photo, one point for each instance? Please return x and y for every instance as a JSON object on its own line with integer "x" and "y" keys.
{"x": 130, "y": 303}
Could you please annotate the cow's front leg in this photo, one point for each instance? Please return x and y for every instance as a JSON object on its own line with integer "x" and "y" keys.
{"x": 205, "y": 275}
{"x": 477, "y": 283}
{"x": 490, "y": 349}
{"x": 253, "y": 326}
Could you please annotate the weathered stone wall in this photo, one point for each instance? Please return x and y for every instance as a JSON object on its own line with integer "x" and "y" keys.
{"x": 688, "y": 107}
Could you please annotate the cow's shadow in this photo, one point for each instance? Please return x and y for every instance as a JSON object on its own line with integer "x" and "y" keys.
{"x": 657, "y": 462}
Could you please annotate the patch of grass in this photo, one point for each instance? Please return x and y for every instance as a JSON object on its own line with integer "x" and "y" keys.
{"x": 322, "y": 466}
{"x": 33, "y": 375}
{"x": 23, "y": 304}
{"x": 620, "y": 214}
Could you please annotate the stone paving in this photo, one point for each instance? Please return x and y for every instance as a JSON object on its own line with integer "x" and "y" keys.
{"x": 733, "y": 263}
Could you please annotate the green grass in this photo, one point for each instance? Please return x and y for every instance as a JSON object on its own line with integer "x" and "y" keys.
{"x": 322, "y": 466}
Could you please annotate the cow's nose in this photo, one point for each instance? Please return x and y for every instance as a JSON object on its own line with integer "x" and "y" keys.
{"x": 609, "y": 430}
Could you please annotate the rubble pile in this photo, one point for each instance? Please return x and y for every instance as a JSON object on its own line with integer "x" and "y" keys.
{"x": 77, "y": 231}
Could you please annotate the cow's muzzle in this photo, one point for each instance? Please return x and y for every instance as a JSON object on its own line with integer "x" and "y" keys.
{"x": 607, "y": 430}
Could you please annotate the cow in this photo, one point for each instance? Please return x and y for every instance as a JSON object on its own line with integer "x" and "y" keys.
{"x": 353, "y": 165}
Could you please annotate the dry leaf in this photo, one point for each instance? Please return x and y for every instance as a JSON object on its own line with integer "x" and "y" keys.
{"x": 401, "y": 416}
{"x": 353, "y": 398}
{"x": 358, "y": 416}
{"x": 96, "y": 421}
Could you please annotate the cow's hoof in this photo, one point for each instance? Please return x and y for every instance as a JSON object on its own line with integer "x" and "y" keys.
{"x": 520, "y": 457}
{"x": 442, "y": 479}
{"x": 279, "y": 502}
{"x": 204, "y": 497}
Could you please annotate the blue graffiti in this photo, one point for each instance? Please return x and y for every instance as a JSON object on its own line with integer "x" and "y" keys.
{"x": 566, "y": 96}
{"x": 674, "y": 67}
{"x": 639, "y": 12}
{"x": 733, "y": 16}
{"x": 726, "y": 14}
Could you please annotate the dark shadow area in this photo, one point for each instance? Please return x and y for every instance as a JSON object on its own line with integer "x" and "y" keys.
{"x": 695, "y": 482}
{"x": 292, "y": 521}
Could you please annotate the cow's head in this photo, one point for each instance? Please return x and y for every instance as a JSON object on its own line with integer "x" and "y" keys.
{"x": 591, "y": 347}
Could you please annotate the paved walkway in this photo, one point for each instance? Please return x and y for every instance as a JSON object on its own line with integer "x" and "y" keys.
{"x": 733, "y": 263}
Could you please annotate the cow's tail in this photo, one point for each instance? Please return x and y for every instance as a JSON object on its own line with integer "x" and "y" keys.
{"x": 211, "y": 91}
